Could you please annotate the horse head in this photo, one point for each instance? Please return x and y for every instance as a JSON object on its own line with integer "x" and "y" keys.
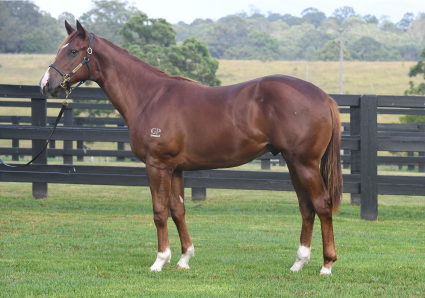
{"x": 67, "y": 69}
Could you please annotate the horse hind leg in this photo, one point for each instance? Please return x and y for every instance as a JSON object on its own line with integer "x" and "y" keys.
{"x": 313, "y": 199}
{"x": 178, "y": 211}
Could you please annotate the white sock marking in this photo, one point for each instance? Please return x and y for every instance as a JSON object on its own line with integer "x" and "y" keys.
{"x": 184, "y": 260}
{"x": 181, "y": 199}
{"x": 161, "y": 259}
{"x": 303, "y": 256}
{"x": 326, "y": 271}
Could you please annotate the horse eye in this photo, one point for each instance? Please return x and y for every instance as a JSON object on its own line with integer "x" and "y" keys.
{"x": 73, "y": 52}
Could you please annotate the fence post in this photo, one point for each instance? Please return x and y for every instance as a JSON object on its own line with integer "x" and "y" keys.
{"x": 79, "y": 122}
{"x": 282, "y": 161}
{"x": 421, "y": 167}
{"x": 67, "y": 118}
{"x": 411, "y": 167}
{"x": 265, "y": 164}
{"x": 39, "y": 118}
{"x": 120, "y": 146}
{"x": 355, "y": 155}
{"x": 15, "y": 142}
{"x": 199, "y": 194}
{"x": 346, "y": 164}
{"x": 368, "y": 160}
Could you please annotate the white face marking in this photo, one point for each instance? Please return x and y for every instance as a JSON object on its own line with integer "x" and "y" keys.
{"x": 181, "y": 199}
{"x": 45, "y": 79}
{"x": 65, "y": 45}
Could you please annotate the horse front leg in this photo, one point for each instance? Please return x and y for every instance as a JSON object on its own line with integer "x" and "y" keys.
{"x": 178, "y": 211}
{"x": 160, "y": 183}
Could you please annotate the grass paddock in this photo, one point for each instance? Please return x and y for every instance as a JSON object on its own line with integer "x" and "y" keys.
{"x": 86, "y": 241}
{"x": 99, "y": 241}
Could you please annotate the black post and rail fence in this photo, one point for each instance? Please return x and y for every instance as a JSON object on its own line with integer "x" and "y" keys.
{"x": 361, "y": 140}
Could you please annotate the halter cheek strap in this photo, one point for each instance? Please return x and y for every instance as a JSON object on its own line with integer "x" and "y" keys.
{"x": 66, "y": 83}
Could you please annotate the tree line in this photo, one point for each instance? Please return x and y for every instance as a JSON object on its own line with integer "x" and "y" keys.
{"x": 190, "y": 49}
{"x": 254, "y": 35}
{"x": 312, "y": 36}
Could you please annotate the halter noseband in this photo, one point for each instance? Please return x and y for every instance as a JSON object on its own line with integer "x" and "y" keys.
{"x": 66, "y": 83}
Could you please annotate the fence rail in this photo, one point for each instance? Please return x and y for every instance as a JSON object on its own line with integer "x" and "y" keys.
{"x": 363, "y": 137}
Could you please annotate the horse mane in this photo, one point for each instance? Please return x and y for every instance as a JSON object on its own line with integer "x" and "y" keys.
{"x": 145, "y": 64}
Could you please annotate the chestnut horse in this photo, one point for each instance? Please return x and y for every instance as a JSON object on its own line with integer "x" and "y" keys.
{"x": 178, "y": 125}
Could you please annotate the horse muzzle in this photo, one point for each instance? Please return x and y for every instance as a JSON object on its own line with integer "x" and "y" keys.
{"x": 50, "y": 86}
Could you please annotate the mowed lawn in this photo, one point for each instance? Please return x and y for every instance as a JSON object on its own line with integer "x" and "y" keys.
{"x": 99, "y": 241}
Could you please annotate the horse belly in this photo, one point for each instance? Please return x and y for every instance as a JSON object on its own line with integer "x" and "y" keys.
{"x": 221, "y": 147}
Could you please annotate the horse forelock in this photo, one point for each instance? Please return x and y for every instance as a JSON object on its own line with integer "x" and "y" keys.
{"x": 70, "y": 38}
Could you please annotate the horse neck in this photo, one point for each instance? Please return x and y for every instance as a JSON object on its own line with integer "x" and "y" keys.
{"x": 126, "y": 80}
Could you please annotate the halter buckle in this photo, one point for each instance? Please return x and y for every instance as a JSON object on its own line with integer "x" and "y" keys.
{"x": 89, "y": 51}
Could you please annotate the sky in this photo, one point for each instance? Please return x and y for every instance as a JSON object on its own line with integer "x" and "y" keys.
{"x": 188, "y": 10}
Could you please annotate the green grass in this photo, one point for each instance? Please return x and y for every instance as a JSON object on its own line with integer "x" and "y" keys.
{"x": 97, "y": 241}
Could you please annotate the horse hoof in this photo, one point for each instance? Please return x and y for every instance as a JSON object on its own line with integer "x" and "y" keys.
{"x": 180, "y": 267}
{"x": 326, "y": 271}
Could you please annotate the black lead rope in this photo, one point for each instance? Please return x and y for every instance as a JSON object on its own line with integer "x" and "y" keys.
{"x": 48, "y": 141}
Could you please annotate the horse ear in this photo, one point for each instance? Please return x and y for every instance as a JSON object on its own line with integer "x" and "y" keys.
{"x": 81, "y": 30}
{"x": 69, "y": 28}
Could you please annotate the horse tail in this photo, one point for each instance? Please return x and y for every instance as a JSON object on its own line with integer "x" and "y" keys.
{"x": 330, "y": 164}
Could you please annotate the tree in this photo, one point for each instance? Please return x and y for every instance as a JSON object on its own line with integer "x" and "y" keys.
{"x": 418, "y": 69}
{"x": 391, "y": 27}
{"x": 417, "y": 30}
{"x": 344, "y": 13}
{"x": 415, "y": 70}
{"x": 405, "y": 22}
{"x": 142, "y": 31}
{"x": 260, "y": 46}
{"x": 107, "y": 18}
{"x": 313, "y": 38}
{"x": 371, "y": 19}
{"x": 193, "y": 60}
{"x": 154, "y": 41}
{"x": 366, "y": 48}
{"x": 23, "y": 28}
{"x": 9, "y": 30}
{"x": 313, "y": 16}
{"x": 66, "y": 16}
{"x": 226, "y": 33}
{"x": 330, "y": 51}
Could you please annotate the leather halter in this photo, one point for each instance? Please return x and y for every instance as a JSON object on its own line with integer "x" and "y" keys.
{"x": 66, "y": 83}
